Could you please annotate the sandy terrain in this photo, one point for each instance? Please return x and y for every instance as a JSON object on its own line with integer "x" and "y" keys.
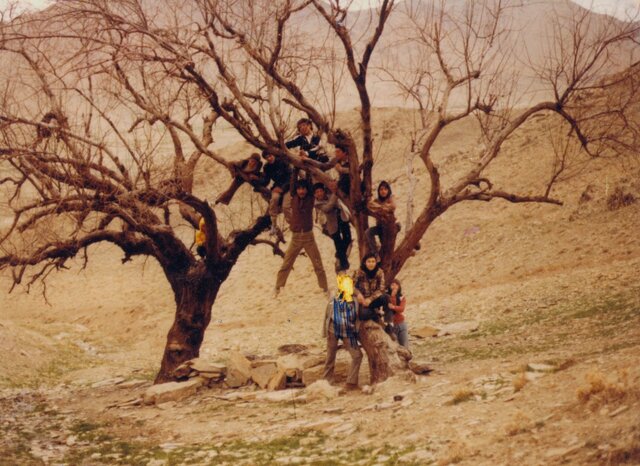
{"x": 548, "y": 284}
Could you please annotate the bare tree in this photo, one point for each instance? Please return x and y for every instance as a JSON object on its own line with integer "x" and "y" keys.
{"x": 171, "y": 70}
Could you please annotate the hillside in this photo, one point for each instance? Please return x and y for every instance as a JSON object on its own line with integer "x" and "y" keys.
{"x": 547, "y": 284}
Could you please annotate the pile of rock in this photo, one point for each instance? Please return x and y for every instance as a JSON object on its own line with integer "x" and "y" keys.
{"x": 209, "y": 373}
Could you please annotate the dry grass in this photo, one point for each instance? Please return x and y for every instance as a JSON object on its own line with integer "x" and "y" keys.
{"x": 461, "y": 396}
{"x": 601, "y": 390}
{"x": 519, "y": 381}
{"x": 519, "y": 425}
{"x": 455, "y": 454}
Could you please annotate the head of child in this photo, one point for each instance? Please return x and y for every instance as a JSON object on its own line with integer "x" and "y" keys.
{"x": 345, "y": 288}
{"x": 319, "y": 191}
{"x": 384, "y": 191}
{"x": 369, "y": 262}
{"x": 302, "y": 188}
{"x": 304, "y": 126}
{"x": 270, "y": 158}
{"x": 342, "y": 153}
{"x": 395, "y": 288}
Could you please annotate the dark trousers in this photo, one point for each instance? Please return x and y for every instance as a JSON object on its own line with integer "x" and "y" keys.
{"x": 370, "y": 312}
{"x": 342, "y": 240}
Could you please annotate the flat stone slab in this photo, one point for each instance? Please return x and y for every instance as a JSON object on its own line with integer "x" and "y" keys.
{"x": 459, "y": 328}
{"x": 171, "y": 391}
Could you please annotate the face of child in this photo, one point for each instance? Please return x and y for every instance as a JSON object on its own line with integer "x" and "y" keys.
{"x": 341, "y": 155}
{"x": 383, "y": 191}
{"x": 394, "y": 288}
{"x": 370, "y": 263}
{"x": 301, "y": 191}
{"x": 319, "y": 194}
{"x": 304, "y": 129}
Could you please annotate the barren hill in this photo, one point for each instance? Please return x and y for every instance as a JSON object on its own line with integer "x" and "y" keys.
{"x": 547, "y": 284}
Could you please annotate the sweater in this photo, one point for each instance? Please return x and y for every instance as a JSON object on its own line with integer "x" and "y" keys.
{"x": 398, "y": 309}
{"x": 301, "y": 213}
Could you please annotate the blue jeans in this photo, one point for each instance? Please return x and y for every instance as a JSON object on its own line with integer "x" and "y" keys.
{"x": 402, "y": 334}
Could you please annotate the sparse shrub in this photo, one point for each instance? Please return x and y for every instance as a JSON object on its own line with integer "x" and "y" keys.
{"x": 620, "y": 199}
{"x": 461, "y": 396}
{"x": 519, "y": 425}
{"x": 519, "y": 381}
{"x": 601, "y": 390}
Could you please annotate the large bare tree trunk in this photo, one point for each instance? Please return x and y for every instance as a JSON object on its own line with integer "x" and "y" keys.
{"x": 386, "y": 357}
{"x": 195, "y": 294}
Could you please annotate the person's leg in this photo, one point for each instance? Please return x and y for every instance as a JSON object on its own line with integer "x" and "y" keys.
{"x": 370, "y": 236}
{"x": 402, "y": 332}
{"x": 383, "y": 302}
{"x": 341, "y": 250}
{"x": 356, "y": 360}
{"x": 310, "y": 246}
{"x": 274, "y": 206}
{"x": 330, "y": 362}
{"x": 293, "y": 250}
{"x": 286, "y": 206}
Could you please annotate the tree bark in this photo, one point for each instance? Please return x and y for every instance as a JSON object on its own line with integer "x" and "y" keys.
{"x": 386, "y": 357}
{"x": 195, "y": 293}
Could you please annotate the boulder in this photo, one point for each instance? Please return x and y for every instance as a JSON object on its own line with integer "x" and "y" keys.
{"x": 278, "y": 381}
{"x": 239, "y": 363}
{"x": 263, "y": 373}
{"x": 235, "y": 378}
{"x": 171, "y": 391}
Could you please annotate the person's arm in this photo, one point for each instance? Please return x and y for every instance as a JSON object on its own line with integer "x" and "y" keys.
{"x": 399, "y": 308}
{"x": 378, "y": 292}
{"x": 295, "y": 142}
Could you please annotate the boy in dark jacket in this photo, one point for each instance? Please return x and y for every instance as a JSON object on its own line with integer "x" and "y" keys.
{"x": 277, "y": 171}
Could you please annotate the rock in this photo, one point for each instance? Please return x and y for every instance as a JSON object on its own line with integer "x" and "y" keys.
{"x": 204, "y": 366}
{"x": 107, "y": 382}
{"x": 171, "y": 391}
{"x": 264, "y": 373}
{"x": 420, "y": 367}
{"x": 292, "y": 348}
{"x": 135, "y": 383}
{"x": 238, "y": 362}
{"x": 235, "y": 378}
{"x": 368, "y": 389}
{"x": 537, "y": 367}
{"x": 425, "y": 332}
{"x": 182, "y": 371}
{"x": 459, "y": 328}
{"x": 313, "y": 360}
{"x": 292, "y": 365}
{"x": 321, "y": 390}
{"x": 278, "y": 381}
{"x": 71, "y": 440}
{"x": 532, "y": 376}
{"x": 280, "y": 396}
{"x": 312, "y": 374}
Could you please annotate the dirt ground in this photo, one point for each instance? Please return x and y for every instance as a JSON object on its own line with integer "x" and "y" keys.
{"x": 551, "y": 376}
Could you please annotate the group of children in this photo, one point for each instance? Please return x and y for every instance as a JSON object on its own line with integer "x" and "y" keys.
{"x": 298, "y": 200}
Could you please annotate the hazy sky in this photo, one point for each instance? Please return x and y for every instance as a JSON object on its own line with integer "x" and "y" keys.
{"x": 619, "y": 8}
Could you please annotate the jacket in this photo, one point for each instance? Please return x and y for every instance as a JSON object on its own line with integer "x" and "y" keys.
{"x": 278, "y": 172}
{"x": 369, "y": 287}
{"x": 312, "y": 147}
{"x": 327, "y": 325}
{"x": 301, "y": 213}
{"x": 330, "y": 208}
